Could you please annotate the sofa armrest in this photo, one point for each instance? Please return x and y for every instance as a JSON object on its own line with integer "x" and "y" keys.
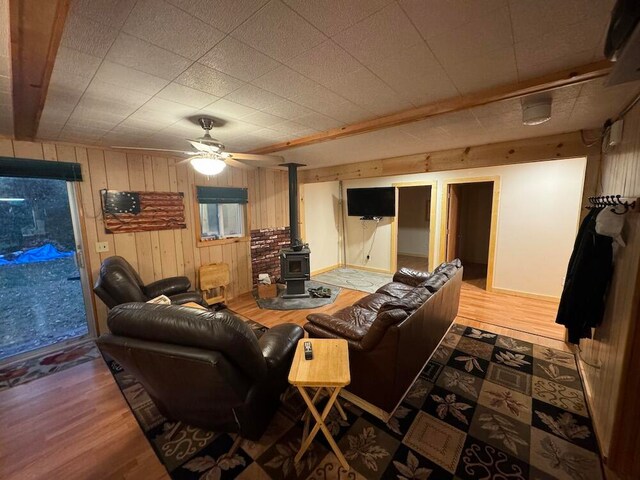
{"x": 409, "y": 276}
{"x": 341, "y": 328}
{"x": 278, "y": 344}
{"x": 167, "y": 286}
{"x": 188, "y": 297}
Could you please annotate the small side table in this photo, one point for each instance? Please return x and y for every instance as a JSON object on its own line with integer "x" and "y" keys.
{"x": 329, "y": 370}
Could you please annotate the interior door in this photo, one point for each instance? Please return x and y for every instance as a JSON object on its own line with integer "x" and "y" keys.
{"x": 453, "y": 210}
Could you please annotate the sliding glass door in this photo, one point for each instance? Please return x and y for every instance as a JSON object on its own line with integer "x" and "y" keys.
{"x": 44, "y": 290}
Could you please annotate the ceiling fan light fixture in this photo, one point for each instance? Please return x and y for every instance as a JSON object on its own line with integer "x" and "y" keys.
{"x": 207, "y": 165}
{"x": 536, "y": 111}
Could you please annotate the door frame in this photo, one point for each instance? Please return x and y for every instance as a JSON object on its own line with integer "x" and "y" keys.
{"x": 495, "y": 207}
{"x": 82, "y": 257}
{"x": 432, "y": 221}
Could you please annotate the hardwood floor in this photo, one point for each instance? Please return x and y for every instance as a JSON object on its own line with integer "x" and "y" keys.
{"x": 76, "y": 425}
{"x": 73, "y": 424}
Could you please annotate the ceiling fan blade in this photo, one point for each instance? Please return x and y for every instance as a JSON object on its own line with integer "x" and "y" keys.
{"x": 153, "y": 149}
{"x": 202, "y": 147}
{"x": 257, "y": 158}
{"x": 234, "y": 163}
{"x": 182, "y": 162}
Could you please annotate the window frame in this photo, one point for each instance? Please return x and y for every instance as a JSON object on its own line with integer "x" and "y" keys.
{"x": 208, "y": 242}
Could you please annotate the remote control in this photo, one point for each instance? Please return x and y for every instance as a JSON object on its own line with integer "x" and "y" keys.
{"x": 308, "y": 351}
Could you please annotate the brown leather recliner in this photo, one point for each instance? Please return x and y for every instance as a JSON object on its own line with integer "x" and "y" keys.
{"x": 118, "y": 282}
{"x": 205, "y": 369}
{"x": 392, "y": 333}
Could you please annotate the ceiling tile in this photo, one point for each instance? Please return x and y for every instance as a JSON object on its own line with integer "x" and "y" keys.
{"x": 135, "y": 53}
{"x": 115, "y": 94}
{"x": 333, "y": 16}
{"x": 225, "y": 15}
{"x": 383, "y": 34}
{"x": 208, "y": 80}
{"x": 88, "y": 36}
{"x": 73, "y": 70}
{"x": 285, "y": 82}
{"x": 108, "y": 12}
{"x": 172, "y": 108}
{"x": 531, "y": 18}
{"x": 168, "y": 27}
{"x": 572, "y": 45}
{"x": 480, "y": 37}
{"x": 479, "y": 73}
{"x": 346, "y": 111}
{"x": 318, "y": 121}
{"x": 318, "y": 98}
{"x": 238, "y": 60}
{"x": 365, "y": 89}
{"x": 325, "y": 61}
{"x": 287, "y": 109}
{"x": 262, "y": 119}
{"x": 279, "y": 32}
{"x": 125, "y": 77}
{"x": 416, "y": 75}
{"x": 225, "y": 109}
{"x": 254, "y": 97}
{"x": 435, "y": 17}
{"x": 186, "y": 95}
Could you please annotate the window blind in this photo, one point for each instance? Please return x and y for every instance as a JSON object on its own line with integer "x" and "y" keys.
{"x": 24, "y": 167}
{"x": 222, "y": 195}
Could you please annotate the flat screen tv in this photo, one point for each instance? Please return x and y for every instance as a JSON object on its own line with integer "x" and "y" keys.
{"x": 371, "y": 202}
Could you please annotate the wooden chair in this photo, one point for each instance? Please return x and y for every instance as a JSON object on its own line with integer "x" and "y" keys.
{"x": 214, "y": 279}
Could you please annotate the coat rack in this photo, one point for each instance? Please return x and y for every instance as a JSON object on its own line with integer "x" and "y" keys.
{"x": 613, "y": 201}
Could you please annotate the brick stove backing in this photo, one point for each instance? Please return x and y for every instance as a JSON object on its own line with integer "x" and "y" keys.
{"x": 266, "y": 244}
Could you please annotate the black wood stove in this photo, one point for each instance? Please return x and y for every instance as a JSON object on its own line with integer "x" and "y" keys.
{"x": 295, "y": 269}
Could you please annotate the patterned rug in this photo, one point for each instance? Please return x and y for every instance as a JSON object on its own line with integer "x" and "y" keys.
{"x": 355, "y": 279}
{"x": 24, "y": 371}
{"x": 486, "y": 407}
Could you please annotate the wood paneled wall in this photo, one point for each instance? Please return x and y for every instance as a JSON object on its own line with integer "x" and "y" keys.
{"x": 164, "y": 253}
{"x": 613, "y": 398}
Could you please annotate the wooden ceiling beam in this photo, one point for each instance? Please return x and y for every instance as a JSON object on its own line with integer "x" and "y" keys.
{"x": 541, "y": 84}
{"x": 36, "y": 31}
{"x": 552, "y": 147}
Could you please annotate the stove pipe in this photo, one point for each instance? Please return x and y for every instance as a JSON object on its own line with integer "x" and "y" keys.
{"x": 293, "y": 202}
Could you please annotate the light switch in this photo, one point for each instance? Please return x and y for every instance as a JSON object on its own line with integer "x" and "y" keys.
{"x": 102, "y": 247}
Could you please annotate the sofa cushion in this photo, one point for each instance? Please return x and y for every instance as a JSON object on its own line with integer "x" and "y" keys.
{"x": 410, "y": 276}
{"x": 449, "y": 268}
{"x": 395, "y": 289}
{"x": 434, "y": 282}
{"x": 353, "y": 321}
{"x": 409, "y": 303}
{"x": 379, "y": 327}
{"x": 374, "y": 301}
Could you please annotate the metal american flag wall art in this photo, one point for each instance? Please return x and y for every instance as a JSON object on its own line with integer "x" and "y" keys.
{"x": 126, "y": 212}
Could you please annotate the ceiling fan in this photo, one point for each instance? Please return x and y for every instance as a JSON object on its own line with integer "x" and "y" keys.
{"x": 209, "y": 156}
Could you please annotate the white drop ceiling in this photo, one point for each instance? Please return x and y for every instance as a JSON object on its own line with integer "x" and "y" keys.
{"x": 131, "y": 72}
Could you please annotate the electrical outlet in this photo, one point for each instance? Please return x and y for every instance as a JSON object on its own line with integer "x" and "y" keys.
{"x": 102, "y": 247}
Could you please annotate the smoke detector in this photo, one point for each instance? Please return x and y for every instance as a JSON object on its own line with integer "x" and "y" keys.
{"x": 536, "y": 111}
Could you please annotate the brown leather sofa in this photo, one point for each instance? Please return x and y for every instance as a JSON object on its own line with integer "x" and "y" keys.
{"x": 205, "y": 369}
{"x": 392, "y": 333}
{"x": 118, "y": 282}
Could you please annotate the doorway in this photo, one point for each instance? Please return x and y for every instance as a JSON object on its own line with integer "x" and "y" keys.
{"x": 44, "y": 291}
{"x": 413, "y": 232}
{"x": 469, "y": 232}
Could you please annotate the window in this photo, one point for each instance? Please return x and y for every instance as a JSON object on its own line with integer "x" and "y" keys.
{"x": 221, "y": 220}
{"x": 222, "y": 213}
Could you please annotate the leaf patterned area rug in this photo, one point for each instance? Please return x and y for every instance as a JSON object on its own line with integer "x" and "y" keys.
{"x": 486, "y": 407}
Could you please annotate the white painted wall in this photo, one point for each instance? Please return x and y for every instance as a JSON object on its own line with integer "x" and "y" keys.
{"x": 538, "y": 218}
{"x": 322, "y": 223}
{"x": 413, "y": 220}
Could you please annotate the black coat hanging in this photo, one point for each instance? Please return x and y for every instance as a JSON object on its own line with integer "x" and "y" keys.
{"x": 587, "y": 281}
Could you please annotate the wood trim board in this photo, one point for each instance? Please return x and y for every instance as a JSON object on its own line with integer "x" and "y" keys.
{"x": 563, "y": 78}
{"x": 495, "y": 207}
